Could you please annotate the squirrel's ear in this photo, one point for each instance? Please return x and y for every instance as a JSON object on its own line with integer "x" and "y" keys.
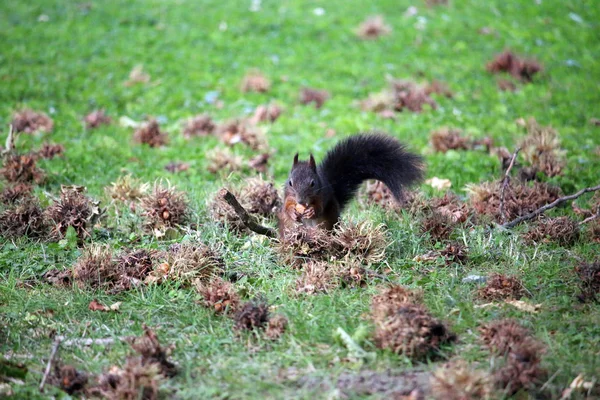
{"x": 296, "y": 159}
{"x": 312, "y": 162}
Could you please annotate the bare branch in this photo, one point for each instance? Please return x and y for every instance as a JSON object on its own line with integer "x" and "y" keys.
{"x": 55, "y": 347}
{"x": 505, "y": 183}
{"x": 246, "y": 218}
{"x": 547, "y": 207}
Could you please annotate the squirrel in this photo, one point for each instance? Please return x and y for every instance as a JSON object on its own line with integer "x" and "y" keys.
{"x": 316, "y": 195}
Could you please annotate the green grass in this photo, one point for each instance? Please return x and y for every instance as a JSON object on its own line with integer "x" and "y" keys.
{"x": 78, "y": 60}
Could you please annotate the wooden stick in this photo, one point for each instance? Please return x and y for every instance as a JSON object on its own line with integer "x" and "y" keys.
{"x": 55, "y": 347}
{"x": 10, "y": 141}
{"x": 86, "y": 341}
{"x": 547, "y": 207}
{"x": 590, "y": 218}
{"x": 247, "y": 220}
{"x": 505, "y": 183}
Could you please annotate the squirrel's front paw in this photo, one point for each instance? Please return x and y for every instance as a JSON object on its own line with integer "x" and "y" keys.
{"x": 309, "y": 213}
{"x": 293, "y": 214}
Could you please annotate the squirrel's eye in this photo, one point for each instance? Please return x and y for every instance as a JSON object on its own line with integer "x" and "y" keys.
{"x": 312, "y": 183}
{"x": 290, "y": 182}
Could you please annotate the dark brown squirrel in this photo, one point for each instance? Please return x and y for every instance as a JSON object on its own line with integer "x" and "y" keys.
{"x": 316, "y": 195}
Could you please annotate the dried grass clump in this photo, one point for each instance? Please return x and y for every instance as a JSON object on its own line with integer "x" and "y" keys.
{"x": 317, "y": 277}
{"x": 189, "y": 262}
{"x": 24, "y": 217}
{"x": 133, "y": 382}
{"x": 68, "y": 379}
{"x": 302, "y": 244}
{"x": 21, "y": 168}
{"x": 223, "y": 160}
{"x": 96, "y": 267}
{"x": 14, "y": 193}
{"x": 165, "y": 207}
{"x": 30, "y": 121}
{"x": 432, "y": 3}
{"x": 240, "y": 131}
{"x": 589, "y": 281}
{"x": 439, "y": 226}
{"x": 392, "y": 297}
{"x": 176, "y": 167}
{"x": 502, "y": 287}
{"x": 562, "y": 230}
{"x": 377, "y": 192}
{"x": 380, "y": 102}
{"x": 221, "y": 211}
{"x": 96, "y": 118}
{"x": 506, "y": 86}
{"x": 450, "y": 206}
{"x": 360, "y": 242}
{"x": 133, "y": 267}
{"x": 127, "y": 189}
{"x": 405, "y": 327}
{"x": 276, "y": 326}
{"x": 152, "y": 353}
{"x": 260, "y": 197}
{"x": 521, "y": 69}
{"x": 315, "y": 96}
{"x": 252, "y": 315}
{"x": 49, "y": 151}
{"x": 259, "y": 162}
{"x": 219, "y": 295}
{"x": 266, "y": 113}
{"x": 59, "y": 278}
{"x": 459, "y": 381}
{"x": 411, "y": 96}
{"x": 455, "y": 252}
{"x": 541, "y": 148}
{"x": 445, "y": 139}
{"x": 72, "y": 208}
{"x": 411, "y": 331}
{"x": 150, "y": 134}
{"x": 520, "y": 198}
{"x": 522, "y": 370}
{"x": 200, "y": 125}
{"x": 437, "y": 87}
{"x": 136, "y": 76}
{"x": 141, "y": 375}
{"x": 373, "y": 27}
{"x": 255, "y": 81}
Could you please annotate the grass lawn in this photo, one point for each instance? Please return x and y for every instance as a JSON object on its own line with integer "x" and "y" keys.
{"x": 67, "y": 58}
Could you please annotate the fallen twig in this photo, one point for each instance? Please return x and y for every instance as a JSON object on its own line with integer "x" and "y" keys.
{"x": 10, "y": 141}
{"x": 55, "y": 347}
{"x": 88, "y": 341}
{"x": 590, "y": 218}
{"x": 247, "y": 220}
{"x": 547, "y": 207}
{"x": 505, "y": 183}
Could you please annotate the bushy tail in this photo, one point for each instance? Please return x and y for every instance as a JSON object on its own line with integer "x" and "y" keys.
{"x": 370, "y": 156}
